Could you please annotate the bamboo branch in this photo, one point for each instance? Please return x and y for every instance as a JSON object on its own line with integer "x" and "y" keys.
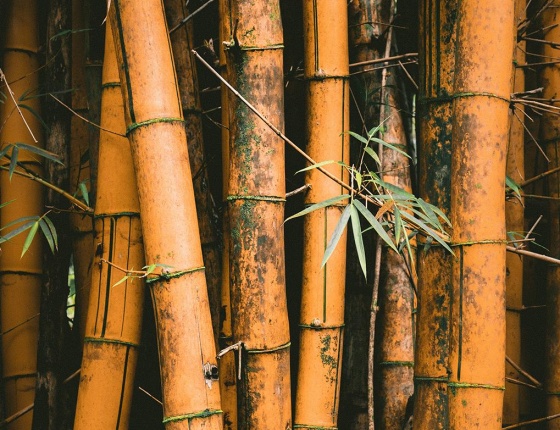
{"x": 530, "y": 422}
{"x": 523, "y": 372}
{"x": 542, "y": 175}
{"x": 533, "y": 254}
{"x": 53, "y": 187}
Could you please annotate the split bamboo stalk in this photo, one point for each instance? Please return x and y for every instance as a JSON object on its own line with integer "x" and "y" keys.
{"x": 550, "y": 132}
{"x": 82, "y": 225}
{"x": 191, "y": 398}
{"x": 256, "y": 198}
{"x": 515, "y": 169}
{"x": 482, "y": 89}
{"x": 114, "y": 318}
{"x": 437, "y": 59}
{"x": 322, "y": 307}
{"x": 20, "y": 278}
{"x": 182, "y": 43}
{"x": 228, "y": 371}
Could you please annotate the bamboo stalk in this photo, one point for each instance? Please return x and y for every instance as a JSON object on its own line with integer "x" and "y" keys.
{"x": 188, "y": 367}
{"x": 483, "y": 68}
{"x": 114, "y": 317}
{"x": 322, "y": 304}
{"x": 20, "y": 278}
{"x": 255, "y": 199}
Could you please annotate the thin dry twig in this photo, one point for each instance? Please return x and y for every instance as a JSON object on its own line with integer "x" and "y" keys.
{"x": 523, "y": 372}
{"x": 533, "y": 254}
{"x": 530, "y": 422}
{"x": 3, "y": 78}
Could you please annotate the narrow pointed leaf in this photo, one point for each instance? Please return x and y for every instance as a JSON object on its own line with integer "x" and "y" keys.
{"x": 375, "y": 224}
{"x": 388, "y": 145}
{"x": 316, "y": 165}
{"x": 358, "y": 137}
{"x": 329, "y": 202}
{"x": 13, "y": 161}
{"x": 372, "y": 154}
{"x": 84, "y": 191}
{"x": 47, "y": 233}
{"x": 337, "y": 233}
{"x": 52, "y": 229}
{"x": 39, "y": 151}
{"x": 427, "y": 230}
{"x": 358, "y": 239}
{"x": 30, "y": 237}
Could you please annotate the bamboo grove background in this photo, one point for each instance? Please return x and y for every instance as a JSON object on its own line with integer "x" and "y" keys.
{"x": 152, "y": 152}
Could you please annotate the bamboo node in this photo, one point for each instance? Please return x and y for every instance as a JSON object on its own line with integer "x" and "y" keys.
{"x": 269, "y": 350}
{"x": 480, "y": 242}
{"x": 275, "y": 199}
{"x": 312, "y": 427}
{"x": 88, "y": 339}
{"x": 455, "y": 385}
{"x": 202, "y": 414}
{"x": 167, "y": 275}
{"x": 397, "y": 363}
{"x": 136, "y": 125}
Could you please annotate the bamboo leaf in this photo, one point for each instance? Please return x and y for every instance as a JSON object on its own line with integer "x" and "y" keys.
{"x": 19, "y": 220}
{"x": 387, "y": 206}
{"x": 34, "y": 113}
{"x": 48, "y": 235}
{"x": 120, "y": 281}
{"x": 358, "y": 239}
{"x": 437, "y": 210}
{"x": 316, "y": 165}
{"x": 52, "y": 229}
{"x": 337, "y": 233}
{"x": 398, "y": 224}
{"x": 40, "y": 151}
{"x": 5, "y": 150}
{"x": 513, "y": 186}
{"x": 427, "y": 230}
{"x": 388, "y": 145}
{"x": 372, "y": 154}
{"x": 375, "y": 224}
{"x": 83, "y": 189}
{"x": 359, "y": 137}
{"x": 329, "y": 202}
{"x": 30, "y": 237}
{"x": 13, "y": 161}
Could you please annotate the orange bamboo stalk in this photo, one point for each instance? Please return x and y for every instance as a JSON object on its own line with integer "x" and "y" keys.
{"x": 114, "y": 318}
{"x": 20, "y": 278}
{"x": 322, "y": 307}
{"x": 482, "y": 89}
{"x": 437, "y": 64}
{"x": 191, "y": 398}
{"x": 549, "y": 131}
{"x": 82, "y": 225}
{"x": 256, "y": 197}
{"x": 515, "y": 169}
{"x": 182, "y": 43}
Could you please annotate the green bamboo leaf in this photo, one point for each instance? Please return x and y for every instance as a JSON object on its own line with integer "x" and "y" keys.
{"x": 375, "y": 224}
{"x": 17, "y": 231}
{"x": 438, "y": 211}
{"x": 13, "y": 161}
{"x": 329, "y": 202}
{"x": 34, "y": 113}
{"x": 388, "y": 145}
{"x": 427, "y": 230}
{"x": 358, "y": 137}
{"x": 5, "y": 150}
{"x": 316, "y": 165}
{"x": 29, "y": 238}
{"x": 398, "y": 224}
{"x": 513, "y": 186}
{"x": 52, "y": 229}
{"x": 120, "y": 281}
{"x": 40, "y": 151}
{"x": 358, "y": 239}
{"x": 337, "y": 233}
{"x": 83, "y": 189}
{"x": 372, "y": 154}
{"x": 47, "y": 233}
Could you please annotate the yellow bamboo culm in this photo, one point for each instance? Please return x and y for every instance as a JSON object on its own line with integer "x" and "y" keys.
{"x": 114, "y": 318}
{"x": 481, "y": 93}
{"x": 322, "y": 308}
{"x": 20, "y": 278}
{"x": 255, "y": 207}
{"x": 153, "y": 112}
